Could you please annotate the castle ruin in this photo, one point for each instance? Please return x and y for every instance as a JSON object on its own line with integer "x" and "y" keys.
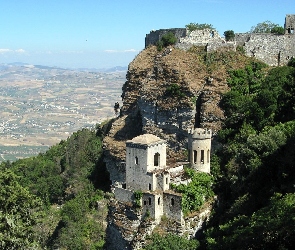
{"x": 272, "y": 49}
{"x": 147, "y": 172}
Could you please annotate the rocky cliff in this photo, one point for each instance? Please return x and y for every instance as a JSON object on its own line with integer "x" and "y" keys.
{"x": 166, "y": 93}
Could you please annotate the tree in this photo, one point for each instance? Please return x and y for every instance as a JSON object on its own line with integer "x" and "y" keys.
{"x": 266, "y": 27}
{"x": 171, "y": 242}
{"x": 229, "y": 35}
{"x": 198, "y": 26}
{"x": 19, "y": 213}
{"x": 278, "y": 30}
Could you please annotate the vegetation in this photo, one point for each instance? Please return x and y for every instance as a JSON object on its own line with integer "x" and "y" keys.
{"x": 171, "y": 242}
{"x": 70, "y": 174}
{"x": 174, "y": 90}
{"x": 20, "y": 212}
{"x": 229, "y": 35}
{"x": 267, "y": 27}
{"x": 166, "y": 40}
{"x": 256, "y": 163}
{"x": 198, "y": 26}
{"x": 137, "y": 198}
{"x": 196, "y": 192}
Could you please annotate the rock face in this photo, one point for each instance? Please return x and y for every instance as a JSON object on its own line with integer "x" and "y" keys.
{"x": 165, "y": 94}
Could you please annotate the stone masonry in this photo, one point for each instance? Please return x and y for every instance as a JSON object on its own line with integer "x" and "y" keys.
{"x": 272, "y": 49}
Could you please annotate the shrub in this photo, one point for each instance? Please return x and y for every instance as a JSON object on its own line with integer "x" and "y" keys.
{"x": 198, "y": 26}
{"x": 174, "y": 90}
{"x": 166, "y": 40}
{"x": 229, "y": 35}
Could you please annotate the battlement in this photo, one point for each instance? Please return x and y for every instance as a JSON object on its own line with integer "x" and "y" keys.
{"x": 272, "y": 49}
{"x": 200, "y": 133}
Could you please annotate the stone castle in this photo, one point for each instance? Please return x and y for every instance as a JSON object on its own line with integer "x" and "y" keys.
{"x": 273, "y": 49}
{"x": 147, "y": 172}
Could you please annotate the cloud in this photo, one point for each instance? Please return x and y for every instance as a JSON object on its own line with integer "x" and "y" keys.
{"x": 3, "y": 51}
{"x": 131, "y": 50}
{"x": 20, "y": 51}
{"x": 111, "y": 51}
{"x": 121, "y": 51}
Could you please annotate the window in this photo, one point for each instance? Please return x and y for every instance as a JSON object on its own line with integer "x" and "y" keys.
{"x": 144, "y": 202}
{"x": 136, "y": 160}
{"x": 150, "y": 201}
{"x": 166, "y": 180}
{"x": 195, "y": 156}
{"x": 159, "y": 201}
{"x": 150, "y": 186}
{"x": 172, "y": 202}
{"x": 202, "y": 156}
{"x": 156, "y": 159}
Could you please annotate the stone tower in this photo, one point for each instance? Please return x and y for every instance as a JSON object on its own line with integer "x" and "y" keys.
{"x": 289, "y": 24}
{"x": 144, "y": 155}
{"x": 199, "y": 146}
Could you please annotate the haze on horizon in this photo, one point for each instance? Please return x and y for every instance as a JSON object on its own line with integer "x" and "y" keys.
{"x": 103, "y": 34}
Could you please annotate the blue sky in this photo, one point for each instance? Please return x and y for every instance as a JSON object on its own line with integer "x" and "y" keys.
{"x": 107, "y": 33}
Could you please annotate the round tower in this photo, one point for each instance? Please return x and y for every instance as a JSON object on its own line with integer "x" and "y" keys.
{"x": 199, "y": 147}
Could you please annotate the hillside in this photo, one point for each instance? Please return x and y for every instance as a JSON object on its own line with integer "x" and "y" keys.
{"x": 250, "y": 108}
{"x": 167, "y": 93}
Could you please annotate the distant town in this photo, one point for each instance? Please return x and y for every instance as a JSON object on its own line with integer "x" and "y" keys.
{"x": 42, "y": 105}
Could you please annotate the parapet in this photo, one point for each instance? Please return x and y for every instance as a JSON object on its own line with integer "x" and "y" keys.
{"x": 200, "y": 133}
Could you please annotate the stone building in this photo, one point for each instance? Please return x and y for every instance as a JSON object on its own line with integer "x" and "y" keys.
{"x": 272, "y": 49}
{"x": 147, "y": 172}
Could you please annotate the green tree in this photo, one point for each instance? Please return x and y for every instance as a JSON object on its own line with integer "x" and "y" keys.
{"x": 196, "y": 192}
{"x": 229, "y": 35}
{"x": 166, "y": 40}
{"x": 198, "y": 26}
{"x": 278, "y": 30}
{"x": 266, "y": 27}
{"x": 19, "y": 213}
{"x": 171, "y": 242}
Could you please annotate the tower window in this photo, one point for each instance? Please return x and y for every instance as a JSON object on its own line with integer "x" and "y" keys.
{"x": 150, "y": 186}
{"x": 156, "y": 159}
{"x": 159, "y": 201}
{"x": 136, "y": 160}
{"x": 202, "y": 156}
{"x": 195, "y": 156}
{"x": 172, "y": 202}
{"x": 166, "y": 180}
{"x": 150, "y": 201}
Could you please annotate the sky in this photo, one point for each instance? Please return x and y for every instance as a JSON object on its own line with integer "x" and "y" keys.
{"x": 109, "y": 33}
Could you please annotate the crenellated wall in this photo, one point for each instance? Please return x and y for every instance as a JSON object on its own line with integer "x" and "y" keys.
{"x": 272, "y": 49}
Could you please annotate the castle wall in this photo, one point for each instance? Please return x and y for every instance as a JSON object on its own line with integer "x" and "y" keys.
{"x": 172, "y": 206}
{"x": 163, "y": 181}
{"x": 274, "y": 50}
{"x": 152, "y": 204}
{"x": 155, "y": 35}
{"x": 123, "y": 195}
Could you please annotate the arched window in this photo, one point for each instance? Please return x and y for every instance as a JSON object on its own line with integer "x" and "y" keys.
{"x": 172, "y": 202}
{"x": 202, "y": 156}
{"x": 150, "y": 201}
{"x": 136, "y": 160}
{"x": 156, "y": 159}
{"x": 195, "y": 156}
{"x": 159, "y": 201}
{"x": 208, "y": 156}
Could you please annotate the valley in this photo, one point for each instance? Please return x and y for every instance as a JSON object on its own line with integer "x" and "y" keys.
{"x": 42, "y": 105}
